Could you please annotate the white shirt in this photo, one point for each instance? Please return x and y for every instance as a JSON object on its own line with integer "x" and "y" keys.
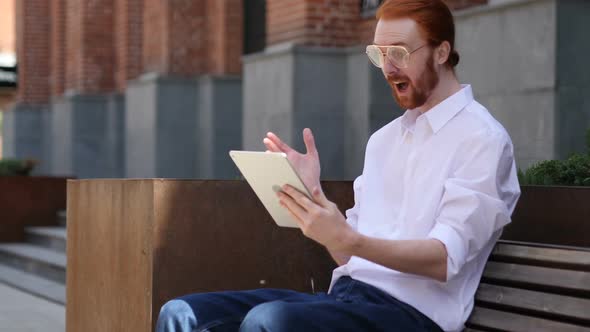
{"x": 447, "y": 174}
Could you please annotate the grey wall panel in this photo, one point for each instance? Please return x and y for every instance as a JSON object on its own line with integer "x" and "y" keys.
{"x": 25, "y": 134}
{"x": 61, "y": 138}
{"x": 573, "y": 76}
{"x": 87, "y": 136}
{"x": 530, "y": 120}
{"x": 508, "y": 55}
{"x": 8, "y": 134}
{"x": 140, "y": 129}
{"x": 176, "y": 127}
{"x": 320, "y": 81}
{"x": 268, "y": 92}
{"x": 226, "y": 125}
{"x": 183, "y": 127}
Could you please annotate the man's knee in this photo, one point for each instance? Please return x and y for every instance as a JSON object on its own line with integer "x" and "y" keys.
{"x": 271, "y": 316}
{"x": 176, "y": 316}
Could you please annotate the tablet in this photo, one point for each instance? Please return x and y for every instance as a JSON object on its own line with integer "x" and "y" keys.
{"x": 266, "y": 173}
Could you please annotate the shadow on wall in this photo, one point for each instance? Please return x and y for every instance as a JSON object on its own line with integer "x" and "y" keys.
{"x": 216, "y": 235}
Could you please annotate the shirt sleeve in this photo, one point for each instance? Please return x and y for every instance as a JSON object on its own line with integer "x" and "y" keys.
{"x": 352, "y": 213}
{"x": 478, "y": 198}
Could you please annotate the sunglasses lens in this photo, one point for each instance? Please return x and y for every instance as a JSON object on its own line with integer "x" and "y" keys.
{"x": 398, "y": 56}
{"x": 374, "y": 55}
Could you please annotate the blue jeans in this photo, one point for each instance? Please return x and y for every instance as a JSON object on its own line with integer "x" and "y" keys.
{"x": 351, "y": 306}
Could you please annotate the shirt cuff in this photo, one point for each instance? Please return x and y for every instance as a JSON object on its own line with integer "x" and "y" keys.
{"x": 456, "y": 251}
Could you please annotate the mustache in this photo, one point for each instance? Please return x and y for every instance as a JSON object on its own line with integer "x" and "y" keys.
{"x": 395, "y": 78}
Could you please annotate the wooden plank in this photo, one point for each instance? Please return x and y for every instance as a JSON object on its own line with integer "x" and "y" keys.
{"x": 505, "y": 321}
{"x": 550, "y": 257}
{"x": 551, "y": 305}
{"x": 568, "y": 282}
{"x": 108, "y": 253}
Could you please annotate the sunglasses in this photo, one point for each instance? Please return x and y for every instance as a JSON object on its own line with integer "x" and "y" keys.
{"x": 398, "y": 56}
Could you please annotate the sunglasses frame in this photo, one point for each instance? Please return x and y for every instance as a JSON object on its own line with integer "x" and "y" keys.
{"x": 405, "y": 60}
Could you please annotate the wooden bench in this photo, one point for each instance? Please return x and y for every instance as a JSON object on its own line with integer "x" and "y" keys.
{"x": 134, "y": 244}
{"x": 528, "y": 287}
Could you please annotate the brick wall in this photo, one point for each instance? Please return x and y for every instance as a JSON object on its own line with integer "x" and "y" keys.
{"x": 128, "y": 41}
{"x": 57, "y": 47}
{"x": 187, "y": 37}
{"x": 326, "y": 22}
{"x": 89, "y": 46}
{"x": 173, "y": 41}
{"x": 225, "y": 36}
{"x": 32, "y": 47}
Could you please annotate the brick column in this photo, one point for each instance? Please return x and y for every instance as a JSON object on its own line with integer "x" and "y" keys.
{"x": 57, "y": 49}
{"x": 332, "y": 23}
{"x": 187, "y": 38}
{"x": 225, "y": 35}
{"x": 89, "y": 46}
{"x": 128, "y": 41}
{"x": 32, "y": 48}
{"x": 187, "y": 109}
{"x": 24, "y": 126}
{"x": 313, "y": 22}
{"x": 174, "y": 40}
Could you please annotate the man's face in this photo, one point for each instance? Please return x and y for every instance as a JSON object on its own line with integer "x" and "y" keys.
{"x": 413, "y": 85}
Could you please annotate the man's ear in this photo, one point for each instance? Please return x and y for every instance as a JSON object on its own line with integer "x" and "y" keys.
{"x": 442, "y": 52}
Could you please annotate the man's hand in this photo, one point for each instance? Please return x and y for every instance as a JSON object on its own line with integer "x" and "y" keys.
{"x": 319, "y": 219}
{"x": 306, "y": 165}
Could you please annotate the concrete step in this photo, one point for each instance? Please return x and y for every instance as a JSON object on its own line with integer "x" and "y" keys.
{"x": 37, "y": 260}
{"x": 53, "y": 238}
{"x": 32, "y": 284}
{"x": 61, "y": 218}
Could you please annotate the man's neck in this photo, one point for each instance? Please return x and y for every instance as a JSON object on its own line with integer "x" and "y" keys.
{"x": 447, "y": 86}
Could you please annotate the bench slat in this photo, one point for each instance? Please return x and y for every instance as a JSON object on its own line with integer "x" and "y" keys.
{"x": 558, "y": 258}
{"x": 558, "y": 306}
{"x": 538, "y": 278}
{"x": 505, "y": 321}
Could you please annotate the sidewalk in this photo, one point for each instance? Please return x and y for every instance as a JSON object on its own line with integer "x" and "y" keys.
{"x": 21, "y": 312}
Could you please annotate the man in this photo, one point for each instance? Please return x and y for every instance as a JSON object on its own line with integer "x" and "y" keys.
{"x": 438, "y": 185}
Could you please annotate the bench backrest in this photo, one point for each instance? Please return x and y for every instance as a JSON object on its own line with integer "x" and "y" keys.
{"x": 533, "y": 288}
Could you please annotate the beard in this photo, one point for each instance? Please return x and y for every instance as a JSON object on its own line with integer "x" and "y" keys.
{"x": 419, "y": 91}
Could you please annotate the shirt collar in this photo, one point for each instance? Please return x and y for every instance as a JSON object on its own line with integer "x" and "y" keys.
{"x": 440, "y": 114}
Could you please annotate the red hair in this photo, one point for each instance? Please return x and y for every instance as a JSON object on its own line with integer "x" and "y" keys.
{"x": 433, "y": 17}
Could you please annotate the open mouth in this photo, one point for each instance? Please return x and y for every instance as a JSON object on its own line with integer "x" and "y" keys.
{"x": 401, "y": 86}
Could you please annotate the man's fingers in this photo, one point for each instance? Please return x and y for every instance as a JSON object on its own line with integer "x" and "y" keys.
{"x": 299, "y": 222}
{"x": 300, "y": 198}
{"x": 278, "y": 142}
{"x": 271, "y": 146}
{"x": 293, "y": 205}
{"x": 309, "y": 141}
{"x": 318, "y": 195}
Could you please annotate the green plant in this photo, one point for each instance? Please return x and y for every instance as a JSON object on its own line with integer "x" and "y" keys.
{"x": 574, "y": 171}
{"x": 11, "y": 167}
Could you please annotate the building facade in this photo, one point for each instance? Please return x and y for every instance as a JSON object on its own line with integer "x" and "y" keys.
{"x": 150, "y": 88}
{"x": 7, "y": 59}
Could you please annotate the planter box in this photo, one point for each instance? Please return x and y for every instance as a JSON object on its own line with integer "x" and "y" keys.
{"x": 135, "y": 243}
{"x": 29, "y": 201}
{"x": 551, "y": 215}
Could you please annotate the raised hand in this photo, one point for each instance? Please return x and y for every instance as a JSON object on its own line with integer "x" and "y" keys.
{"x": 306, "y": 165}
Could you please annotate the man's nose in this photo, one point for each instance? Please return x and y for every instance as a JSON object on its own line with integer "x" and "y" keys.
{"x": 388, "y": 68}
